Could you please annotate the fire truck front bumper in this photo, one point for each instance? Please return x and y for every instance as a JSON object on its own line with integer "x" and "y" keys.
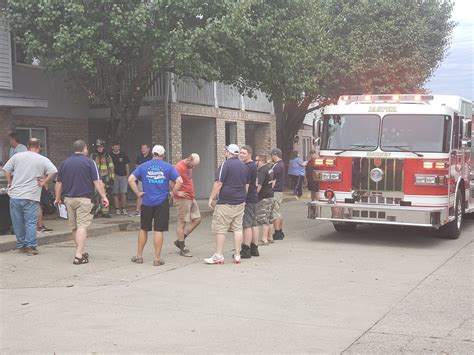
{"x": 432, "y": 217}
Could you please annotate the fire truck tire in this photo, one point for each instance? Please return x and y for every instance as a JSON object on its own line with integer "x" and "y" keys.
{"x": 345, "y": 227}
{"x": 452, "y": 230}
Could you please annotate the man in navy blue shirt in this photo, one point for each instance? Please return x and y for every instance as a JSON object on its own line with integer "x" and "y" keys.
{"x": 77, "y": 178}
{"x": 156, "y": 177}
{"x": 251, "y": 231}
{"x": 279, "y": 176}
{"x": 230, "y": 188}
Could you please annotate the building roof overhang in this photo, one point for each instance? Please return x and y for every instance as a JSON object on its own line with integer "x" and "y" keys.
{"x": 11, "y": 100}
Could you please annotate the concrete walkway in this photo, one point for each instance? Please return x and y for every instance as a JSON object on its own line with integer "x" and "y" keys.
{"x": 100, "y": 226}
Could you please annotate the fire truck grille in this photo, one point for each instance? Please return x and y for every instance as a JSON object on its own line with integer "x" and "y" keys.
{"x": 392, "y": 179}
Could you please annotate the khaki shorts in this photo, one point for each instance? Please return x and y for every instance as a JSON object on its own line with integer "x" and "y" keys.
{"x": 79, "y": 211}
{"x": 188, "y": 210}
{"x": 277, "y": 200}
{"x": 227, "y": 218}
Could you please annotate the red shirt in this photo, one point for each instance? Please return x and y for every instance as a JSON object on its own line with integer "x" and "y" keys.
{"x": 187, "y": 175}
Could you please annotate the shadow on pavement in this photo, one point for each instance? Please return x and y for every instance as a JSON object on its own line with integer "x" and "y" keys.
{"x": 409, "y": 237}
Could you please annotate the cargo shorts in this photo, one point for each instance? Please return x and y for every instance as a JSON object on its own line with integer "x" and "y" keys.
{"x": 79, "y": 211}
{"x": 188, "y": 210}
{"x": 227, "y": 218}
{"x": 264, "y": 211}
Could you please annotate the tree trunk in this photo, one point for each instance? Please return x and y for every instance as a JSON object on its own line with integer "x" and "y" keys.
{"x": 289, "y": 118}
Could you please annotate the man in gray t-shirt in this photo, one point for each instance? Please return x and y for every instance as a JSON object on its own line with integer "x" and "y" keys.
{"x": 15, "y": 145}
{"x": 26, "y": 174}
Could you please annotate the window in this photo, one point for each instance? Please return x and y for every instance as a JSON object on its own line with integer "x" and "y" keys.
{"x": 351, "y": 132}
{"x": 25, "y": 134}
{"x": 20, "y": 57}
{"x": 306, "y": 148}
{"x": 420, "y": 133}
{"x": 230, "y": 133}
{"x": 457, "y": 134}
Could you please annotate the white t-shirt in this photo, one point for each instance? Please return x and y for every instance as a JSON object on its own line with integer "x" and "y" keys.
{"x": 27, "y": 168}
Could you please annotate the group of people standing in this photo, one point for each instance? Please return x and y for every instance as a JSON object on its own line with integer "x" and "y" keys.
{"x": 298, "y": 170}
{"x": 246, "y": 195}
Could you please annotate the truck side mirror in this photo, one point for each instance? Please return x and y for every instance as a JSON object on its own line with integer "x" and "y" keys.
{"x": 317, "y": 128}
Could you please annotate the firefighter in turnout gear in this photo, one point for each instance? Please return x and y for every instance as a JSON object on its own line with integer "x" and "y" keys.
{"x": 105, "y": 165}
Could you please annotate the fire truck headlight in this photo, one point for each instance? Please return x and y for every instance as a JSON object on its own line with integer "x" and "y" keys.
{"x": 430, "y": 180}
{"x": 420, "y": 180}
{"x": 334, "y": 176}
{"x": 326, "y": 176}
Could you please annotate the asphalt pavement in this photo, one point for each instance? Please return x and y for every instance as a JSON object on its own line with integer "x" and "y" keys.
{"x": 376, "y": 290}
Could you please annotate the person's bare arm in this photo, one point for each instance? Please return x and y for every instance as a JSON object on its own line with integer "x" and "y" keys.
{"x": 58, "y": 188}
{"x": 177, "y": 184}
{"x": 132, "y": 182}
{"x": 99, "y": 186}
{"x": 8, "y": 175}
{"x": 44, "y": 182}
{"x": 215, "y": 190}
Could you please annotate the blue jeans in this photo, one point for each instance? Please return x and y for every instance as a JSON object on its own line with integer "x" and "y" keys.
{"x": 24, "y": 215}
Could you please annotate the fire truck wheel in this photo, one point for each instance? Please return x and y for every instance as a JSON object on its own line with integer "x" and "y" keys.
{"x": 345, "y": 227}
{"x": 452, "y": 230}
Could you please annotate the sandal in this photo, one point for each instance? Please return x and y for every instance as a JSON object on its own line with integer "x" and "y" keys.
{"x": 158, "y": 262}
{"x": 137, "y": 259}
{"x": 271, "y": 240}
{"x": 79, "y": 261}
{"x": 263, "y": 242}
{"x": 85, "y": 256}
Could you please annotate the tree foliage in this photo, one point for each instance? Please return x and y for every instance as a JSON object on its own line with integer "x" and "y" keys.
{"x": 111, "y": 48}
{"x": 304, "y": 51}
{"x": 296, "y": 51}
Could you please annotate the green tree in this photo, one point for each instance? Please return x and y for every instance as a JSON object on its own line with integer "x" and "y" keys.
{"x": 116, "y": 50}
{"x": 306, "y": 53}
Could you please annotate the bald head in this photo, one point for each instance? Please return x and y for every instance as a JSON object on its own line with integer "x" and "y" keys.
{"x": 193, "y": 160}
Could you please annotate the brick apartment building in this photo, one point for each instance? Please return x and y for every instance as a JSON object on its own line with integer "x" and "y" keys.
{"x": 199, "y": 117}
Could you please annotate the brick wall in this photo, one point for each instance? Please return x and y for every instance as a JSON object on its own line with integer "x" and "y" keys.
{"x": 60, "y": 133}
{"x": 266, "y": 133}
{"x": 5, "y": 129}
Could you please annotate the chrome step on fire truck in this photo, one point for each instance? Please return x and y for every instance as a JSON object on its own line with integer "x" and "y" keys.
{"x": 396, "y": 160}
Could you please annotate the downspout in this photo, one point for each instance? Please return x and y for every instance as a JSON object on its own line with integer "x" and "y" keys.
{"x": 166, "y": 100}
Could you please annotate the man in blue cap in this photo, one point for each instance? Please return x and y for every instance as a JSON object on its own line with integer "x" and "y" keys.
{"x": 230, "y": 188}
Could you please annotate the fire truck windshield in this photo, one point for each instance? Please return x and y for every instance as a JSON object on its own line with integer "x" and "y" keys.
{"x": 350, "y": 132}
{"x": 416, "y": 133}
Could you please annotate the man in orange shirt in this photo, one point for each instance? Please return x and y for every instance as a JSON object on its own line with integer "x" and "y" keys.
{"x": 189, "y": 216}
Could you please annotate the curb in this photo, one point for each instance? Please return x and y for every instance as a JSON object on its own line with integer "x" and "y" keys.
{"x": 93, "y": 231}
{"x": 96, "y": 231}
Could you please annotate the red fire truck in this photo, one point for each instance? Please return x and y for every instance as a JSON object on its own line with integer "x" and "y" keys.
{"x": 396, "y": 160}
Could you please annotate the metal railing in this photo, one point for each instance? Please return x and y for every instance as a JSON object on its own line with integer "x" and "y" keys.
{"x": 199, "y": 92}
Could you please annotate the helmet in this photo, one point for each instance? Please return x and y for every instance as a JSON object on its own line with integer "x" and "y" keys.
{"x": 99, "y": 142}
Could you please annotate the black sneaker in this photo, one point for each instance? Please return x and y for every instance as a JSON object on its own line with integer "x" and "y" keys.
{"x": 245, "y": 252}
{"x": 278, "y": 235}
{"x": 254, "y": 250}
{"x": 179, "y": 244}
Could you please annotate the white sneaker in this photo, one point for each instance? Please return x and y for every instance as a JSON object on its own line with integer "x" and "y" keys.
{"x": 215, "y": 259}
{"x": 117, "y": 212}
{"x": 124, "y": 212}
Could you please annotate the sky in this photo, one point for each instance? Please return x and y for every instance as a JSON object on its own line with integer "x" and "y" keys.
{"x": 455, "y": 75}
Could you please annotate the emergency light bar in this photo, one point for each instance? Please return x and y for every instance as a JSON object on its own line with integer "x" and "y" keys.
{"x": 396, "y": 98}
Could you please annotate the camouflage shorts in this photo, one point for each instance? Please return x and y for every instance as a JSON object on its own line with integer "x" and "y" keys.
{"x": 264, "y": 211}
